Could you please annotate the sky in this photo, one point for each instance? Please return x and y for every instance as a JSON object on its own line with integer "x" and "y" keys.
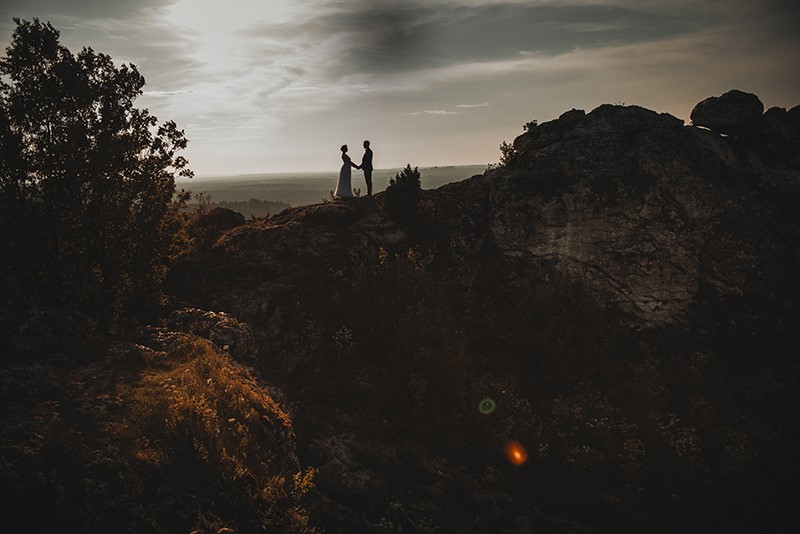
{"x": 264, "y": 86}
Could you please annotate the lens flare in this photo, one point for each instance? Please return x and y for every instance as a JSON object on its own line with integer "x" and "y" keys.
{"x": 487, "y": 406}
{"x": 515, "y": 452}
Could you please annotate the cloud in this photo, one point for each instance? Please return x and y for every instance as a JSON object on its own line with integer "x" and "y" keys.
{"x": 160, "y": 94}
{"x": 129, "y": 31}
{"x": 434, "y": 112}
{"x": 78, "y": 10}
{"x": 280, "y": 83}
{"x": 389, "y": 37}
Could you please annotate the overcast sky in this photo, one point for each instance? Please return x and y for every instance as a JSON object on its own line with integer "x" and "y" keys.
{"x": 279, "y": 85}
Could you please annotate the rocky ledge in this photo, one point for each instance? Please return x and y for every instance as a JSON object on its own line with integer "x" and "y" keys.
{"x": 642, "y": 209}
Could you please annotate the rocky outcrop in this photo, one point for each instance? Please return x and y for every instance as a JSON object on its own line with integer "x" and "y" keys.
{"x": 688, "y": 235}
{"x": 644, "y": 210}
{"x": 775, "y": 134}
{"x": 226, "y": 332}
{"x": 779, "y": 136}
{"x": 51, "y": 330}
{"x": 733, "y": 113}
{"x": 639, "y": 208}
{"x": 219, "y": 219}
{"x": 149, "y": 435}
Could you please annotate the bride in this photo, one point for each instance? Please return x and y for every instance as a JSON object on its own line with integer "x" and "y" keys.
{"x": 343, "y": 188}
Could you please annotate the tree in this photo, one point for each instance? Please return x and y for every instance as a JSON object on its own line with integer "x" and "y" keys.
{"x": 402, "y": 196}
{"x": 88, "y": 204}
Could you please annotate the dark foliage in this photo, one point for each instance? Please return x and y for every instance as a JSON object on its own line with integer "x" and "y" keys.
{"x": 88, "y": 206}
{"x": 625, "y": 432}
{"x": 402, "y": 196}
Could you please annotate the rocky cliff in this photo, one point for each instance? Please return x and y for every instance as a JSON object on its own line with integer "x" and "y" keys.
{"x": 642, "y": 209}
{"x": 646, "y": 210}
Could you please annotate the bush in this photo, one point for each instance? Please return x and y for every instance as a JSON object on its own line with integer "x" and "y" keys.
{"x": 402, "y": 196}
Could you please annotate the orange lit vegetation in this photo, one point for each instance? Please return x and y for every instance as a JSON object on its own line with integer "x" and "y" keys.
{"x": 515, "y": 452}
{"x": 202, "y": 417}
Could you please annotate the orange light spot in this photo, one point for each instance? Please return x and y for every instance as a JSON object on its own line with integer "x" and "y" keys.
{"x": 515, "y": 452}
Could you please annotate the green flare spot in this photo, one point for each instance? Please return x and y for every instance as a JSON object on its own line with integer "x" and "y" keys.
{"x": 486, "y": 406}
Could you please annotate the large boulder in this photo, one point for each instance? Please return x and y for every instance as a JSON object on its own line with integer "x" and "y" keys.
{"x": 224, "y": 331}
{"x": 53, "y": 330}
{"x": 734, "y": 113}
{"x": 220, "y": 219}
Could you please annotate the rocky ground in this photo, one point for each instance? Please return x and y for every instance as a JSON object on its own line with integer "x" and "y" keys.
{"x": 624, "y": 289}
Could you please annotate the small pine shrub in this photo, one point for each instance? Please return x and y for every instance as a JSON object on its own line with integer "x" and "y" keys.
{"x": 508, "y": 155}
{"x": 402, "y": 196}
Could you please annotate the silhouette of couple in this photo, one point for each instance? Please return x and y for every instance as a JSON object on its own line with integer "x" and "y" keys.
{"x": 343, "y": 187}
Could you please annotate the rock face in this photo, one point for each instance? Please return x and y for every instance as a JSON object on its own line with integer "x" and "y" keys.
{"x": 733, "y": 113}
{"x": 224, "y": 331}
{"x": 51, "y": 330}
{"x": 779, "y": 135}
{"x": 644, "y": 210}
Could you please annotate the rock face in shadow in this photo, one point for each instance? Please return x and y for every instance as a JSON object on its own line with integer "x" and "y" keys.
{"x": 645, "y": 210}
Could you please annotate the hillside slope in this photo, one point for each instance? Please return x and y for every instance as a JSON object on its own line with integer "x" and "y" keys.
{"x": 624, "y": 288}
{"x": 598, "y": 335}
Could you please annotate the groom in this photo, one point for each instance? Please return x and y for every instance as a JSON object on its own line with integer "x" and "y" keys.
{"x": 366, "y": 166}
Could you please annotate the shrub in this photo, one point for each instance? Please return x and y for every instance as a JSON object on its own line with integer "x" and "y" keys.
{"x": 509, "y": 157}
{"x": 402, "y": 196}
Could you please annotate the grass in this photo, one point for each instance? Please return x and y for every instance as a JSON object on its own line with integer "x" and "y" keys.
{"x": 174, "y": 441}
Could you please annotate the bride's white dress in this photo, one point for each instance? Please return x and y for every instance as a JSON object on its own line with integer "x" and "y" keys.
{"x": 343, "y": 188}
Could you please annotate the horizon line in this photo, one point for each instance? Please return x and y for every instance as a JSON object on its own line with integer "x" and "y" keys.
{"x": 335, "y": 171}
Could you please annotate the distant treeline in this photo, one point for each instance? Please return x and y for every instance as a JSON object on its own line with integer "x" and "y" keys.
{"x": 250, "y": 208}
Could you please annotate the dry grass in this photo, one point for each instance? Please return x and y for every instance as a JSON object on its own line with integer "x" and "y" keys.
{"x": 203, "y": 417}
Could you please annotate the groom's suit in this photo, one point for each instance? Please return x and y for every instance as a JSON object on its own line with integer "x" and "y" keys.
{"x": 366, "y": 166}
